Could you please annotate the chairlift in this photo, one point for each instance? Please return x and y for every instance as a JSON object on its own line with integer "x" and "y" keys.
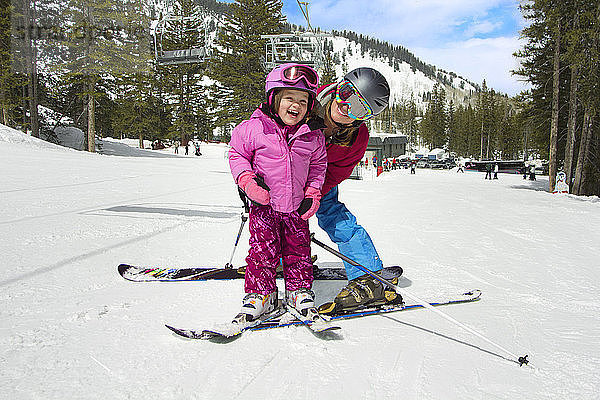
{"x": 301, "y": 47}
{"x": 168, "y": 26}
{"x": 304, "y": 48}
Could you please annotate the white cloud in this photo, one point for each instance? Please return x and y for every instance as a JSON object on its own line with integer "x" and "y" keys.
{"x": 404, "y": 21}
{"x": 479, "y": 59}
{"x": 482, "y": 27}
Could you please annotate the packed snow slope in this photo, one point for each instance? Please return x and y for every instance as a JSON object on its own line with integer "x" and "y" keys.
{"x": 72, "y": 328}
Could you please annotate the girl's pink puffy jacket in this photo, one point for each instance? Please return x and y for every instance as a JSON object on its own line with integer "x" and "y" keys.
{"x": 289, "y": 159}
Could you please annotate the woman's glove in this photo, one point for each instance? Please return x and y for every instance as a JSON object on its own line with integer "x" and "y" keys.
{"x": 310, "y": 204}
{"x": 254, "y": 187}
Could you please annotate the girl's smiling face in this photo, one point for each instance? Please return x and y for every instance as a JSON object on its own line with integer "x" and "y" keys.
{"x": 293, "y": 106}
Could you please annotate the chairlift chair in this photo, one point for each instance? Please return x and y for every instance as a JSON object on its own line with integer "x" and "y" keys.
{"x": 301, "y": 47}
{"x": 305, "y": 48}
{"x": 165, "y": 27}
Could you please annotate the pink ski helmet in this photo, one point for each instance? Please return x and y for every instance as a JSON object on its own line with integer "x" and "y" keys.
{"x": 292, "y": 76}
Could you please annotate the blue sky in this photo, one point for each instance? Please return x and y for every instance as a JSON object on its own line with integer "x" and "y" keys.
{"x": 474, "y": 38}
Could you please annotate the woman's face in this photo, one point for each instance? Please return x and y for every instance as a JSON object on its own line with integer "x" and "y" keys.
{"x": 339, "y": 113}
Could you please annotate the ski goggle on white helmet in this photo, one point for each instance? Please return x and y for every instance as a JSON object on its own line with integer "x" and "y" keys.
{"x": 347, "y": 94}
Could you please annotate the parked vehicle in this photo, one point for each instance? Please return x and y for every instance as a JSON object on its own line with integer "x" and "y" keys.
{"x": 158, "y": 145}
{"x": 449, "y": 163}
{"x": 510, "y": 166}
{"x": 423, "y": 163}
{"x": 437, "y": 164}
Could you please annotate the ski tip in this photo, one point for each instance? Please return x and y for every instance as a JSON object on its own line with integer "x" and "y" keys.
{"x": 184, "y": 332}
{"x": 392, "y": 271}
{"x": 176, "y": 330}
{"x": 127, "y": 272}
{"x": 122, "y": 268}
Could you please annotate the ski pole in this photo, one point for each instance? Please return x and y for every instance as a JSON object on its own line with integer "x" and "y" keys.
{"x": 520, "y": 360}
{"x": 244, "y": 219}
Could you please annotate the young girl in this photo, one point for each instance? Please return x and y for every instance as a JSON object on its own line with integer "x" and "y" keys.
{"x": 280, "y": 163}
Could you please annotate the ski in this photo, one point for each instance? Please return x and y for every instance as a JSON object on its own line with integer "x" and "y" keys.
{"x": 229, "y": 329}
{"x": 279, "y": 321}
{"x": 467, "y": 297}
{"x": 160, "y": 274}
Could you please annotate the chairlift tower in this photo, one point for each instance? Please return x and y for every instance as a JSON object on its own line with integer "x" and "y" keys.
{"x": 167, "y": 26}
{"x": 301, "y": 47}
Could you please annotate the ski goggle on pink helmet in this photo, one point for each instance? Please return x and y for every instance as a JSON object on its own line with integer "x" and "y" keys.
{"x": 292, "y": 76}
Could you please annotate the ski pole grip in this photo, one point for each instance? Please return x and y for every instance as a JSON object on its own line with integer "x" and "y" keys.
{"x": 244, "y": 200}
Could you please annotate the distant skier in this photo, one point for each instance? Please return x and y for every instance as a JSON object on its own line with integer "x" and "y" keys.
{"x": 495, "y": 170}
{"x": 532, "y": 172}
{"x": 413, "y": 167}
{"x": 197, "y": 148}
{"x": 187, "y": 147}
{"x": 280, "y": 162}
{"x": 461, "y": 167}
{"x": 488, "y": 171}
{"x": 176, "y": 144}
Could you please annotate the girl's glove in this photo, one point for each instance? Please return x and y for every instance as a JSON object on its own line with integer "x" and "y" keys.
{"x": 254, "y": 187}
{"x": 310, "y": 204}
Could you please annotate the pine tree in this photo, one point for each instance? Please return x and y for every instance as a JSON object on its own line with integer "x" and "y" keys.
{"x": 238, "y": 68}
{"x": 470, "y": 132}
{"x": 556, "y": 28}
{"x": 137, "y": 108}
{"x": 104, "y": 38}
{"x": 433, "y": 127}
{"x": 412, "y": 126}
{"x": 25, "y": 54}
{"x": 572, "y": 44}
{"x": 188, "y": 98}
{"x": 452, "y": 125}
{"x": 8, "y": 77}
{"x": 587, "y": 37}
{"x": 536, "y": 56}
{"x": 486, "y": 119}
{"x": 328, "y": 74}
{"x": 562, "y": 49}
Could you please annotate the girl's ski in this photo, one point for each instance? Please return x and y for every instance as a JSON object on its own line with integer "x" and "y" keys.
{"x": 280, "y": 321}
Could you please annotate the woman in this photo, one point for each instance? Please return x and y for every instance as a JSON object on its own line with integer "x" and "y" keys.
{"x": 340, "y": 112}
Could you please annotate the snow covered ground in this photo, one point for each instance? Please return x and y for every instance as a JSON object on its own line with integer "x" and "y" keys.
{"x": 72, "y": 328}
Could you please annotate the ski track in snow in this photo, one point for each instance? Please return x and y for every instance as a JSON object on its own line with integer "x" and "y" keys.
{"x": 72, "y": 328}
